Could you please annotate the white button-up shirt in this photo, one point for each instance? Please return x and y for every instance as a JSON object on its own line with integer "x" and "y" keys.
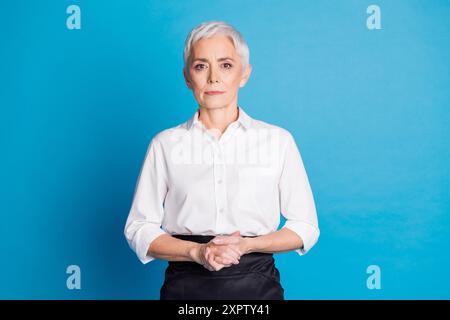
{"x": 193, "y": 182}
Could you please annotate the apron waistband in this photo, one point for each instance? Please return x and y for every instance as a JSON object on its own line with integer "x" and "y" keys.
{"x": 199, "y": 238}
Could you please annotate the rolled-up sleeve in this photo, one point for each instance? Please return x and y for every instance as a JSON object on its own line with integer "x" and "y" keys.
{"x": 143, "y": 224}
{"x": 296, "y": 198}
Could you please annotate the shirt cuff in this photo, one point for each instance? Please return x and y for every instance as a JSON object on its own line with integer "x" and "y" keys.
{"x": 307, "y": 232}
{"x": 142, "y": 240}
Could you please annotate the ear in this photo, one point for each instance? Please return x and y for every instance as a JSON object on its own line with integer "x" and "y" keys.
{"x": 245, "y": 76}
{"x": 187, "y": 79}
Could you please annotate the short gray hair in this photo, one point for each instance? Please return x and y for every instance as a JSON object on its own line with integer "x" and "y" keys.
{"x": 212, "y": 28}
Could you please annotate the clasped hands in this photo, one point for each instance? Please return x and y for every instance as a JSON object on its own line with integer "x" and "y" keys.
{"x": 221, "y": 252}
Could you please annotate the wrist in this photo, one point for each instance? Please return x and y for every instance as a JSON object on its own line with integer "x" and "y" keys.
{"x": 194, "y": 252}
{"x": 257, "y": 244}
{"x": 249, "y": 245}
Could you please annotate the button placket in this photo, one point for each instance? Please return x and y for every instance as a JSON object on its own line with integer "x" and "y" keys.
{"x": 220, "y": 194}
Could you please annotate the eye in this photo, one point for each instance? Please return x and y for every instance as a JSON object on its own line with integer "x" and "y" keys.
{"x": 227, "y": 65}
{"x": 199, "y": 66}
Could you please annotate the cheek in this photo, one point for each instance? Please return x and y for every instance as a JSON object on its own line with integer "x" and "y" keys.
{"x": 198, "y": 86}
{"x": 232, "y": 81}
{"x": 203, "y": 84}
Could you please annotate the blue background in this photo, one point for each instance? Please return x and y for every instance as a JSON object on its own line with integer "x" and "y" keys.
{"x": 369, "y": 110}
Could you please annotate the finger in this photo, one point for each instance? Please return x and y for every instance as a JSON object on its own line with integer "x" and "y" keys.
{"x": 227, "y": 252}
{"x": 223, "y": 261}
{"x": 234, "y": 253}
{"x": 214, "y": 264}
{"x": 226, "y": 240}
{"x": 218, "y": 266}
{"x": 208, "y": 267}
{"x": 217, "y": 241}
{"x": 229, "y": 256}
{"x": 236, "y": 250}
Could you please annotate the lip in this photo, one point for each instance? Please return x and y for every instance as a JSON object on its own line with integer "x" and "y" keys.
{"x": 212, "y": 93}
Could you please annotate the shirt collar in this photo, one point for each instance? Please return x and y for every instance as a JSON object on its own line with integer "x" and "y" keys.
{"x": 243, "y": 118}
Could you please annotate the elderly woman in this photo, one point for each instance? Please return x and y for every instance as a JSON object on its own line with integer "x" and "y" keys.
{"x": 211, "y": 190}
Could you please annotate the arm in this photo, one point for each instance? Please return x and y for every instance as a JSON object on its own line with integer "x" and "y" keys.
{"x": 170, "y": 248}
{"x": 296, "y": 198}
{"x": 143, "y": 224}
{"x": 280, "y": 241}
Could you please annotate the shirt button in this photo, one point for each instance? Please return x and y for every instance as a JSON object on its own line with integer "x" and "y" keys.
{"x": 219, "y": 181}
{"x": 221, "y": 210}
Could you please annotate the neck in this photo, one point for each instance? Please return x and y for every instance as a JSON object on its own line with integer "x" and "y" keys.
{"x": 218, "y": 119}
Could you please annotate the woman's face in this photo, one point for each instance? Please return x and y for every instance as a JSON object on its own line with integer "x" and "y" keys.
{"x": 214, "y": 72}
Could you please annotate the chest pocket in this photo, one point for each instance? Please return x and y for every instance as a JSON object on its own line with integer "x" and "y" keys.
{"x": 256, "y": 186}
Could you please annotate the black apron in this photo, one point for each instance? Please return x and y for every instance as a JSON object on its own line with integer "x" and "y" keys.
{"x": 254, "y": 278}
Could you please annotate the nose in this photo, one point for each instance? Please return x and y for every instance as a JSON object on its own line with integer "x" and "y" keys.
{"x": 213, "y": 76}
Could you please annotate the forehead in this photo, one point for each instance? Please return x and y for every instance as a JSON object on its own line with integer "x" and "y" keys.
{"x": 214, "y": 46}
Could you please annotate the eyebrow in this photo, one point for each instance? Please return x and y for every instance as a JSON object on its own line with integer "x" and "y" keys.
{"x": 206, "y": 60}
